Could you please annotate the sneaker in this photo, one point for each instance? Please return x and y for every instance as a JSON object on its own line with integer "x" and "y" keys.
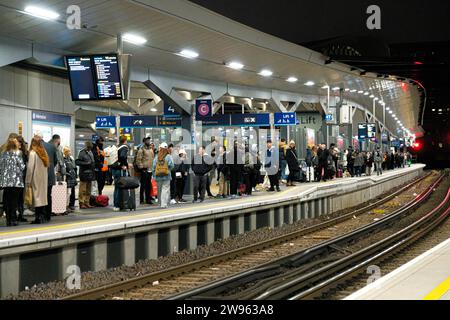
{"x": 115, "y": 209}
{"x": 173, "y": 201}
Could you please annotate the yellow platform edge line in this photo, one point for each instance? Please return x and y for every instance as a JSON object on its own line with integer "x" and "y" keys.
{"x": 439, "y": 291}
{"x": 134, "y": 217}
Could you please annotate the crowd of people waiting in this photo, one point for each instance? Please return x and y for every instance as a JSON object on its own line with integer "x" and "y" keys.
{"x": 27, "y": 174}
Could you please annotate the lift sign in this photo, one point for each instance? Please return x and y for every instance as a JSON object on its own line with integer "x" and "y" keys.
{"x": 285, "y": 118}
{"x": 105, "y": 122}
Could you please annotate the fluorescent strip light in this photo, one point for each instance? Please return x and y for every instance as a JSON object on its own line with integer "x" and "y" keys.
{"x": 347, "y": 89}
{"x": 265, "y": 73}
{"x": 390, "y": 111}
{"x": 41, "y": 13}
{"x": 376, "y": 99}
{"x": 336, "y": 89}
{"x": 371, "y": 96}
{"x": 353, "y": 91}
{"x": 235, "y": 65}
{"x": 189, "y": 54}
{"x": 326, "y": 87}
{"x": 387, "y": 108}
{"x": 134, "y": 39}
{"x": 366, "y": 93}
{"x": 292, "y": 79}
{"x": 153, "y": 110}
{"x": 360, "y": 91}
{"x": 309, "y": 83}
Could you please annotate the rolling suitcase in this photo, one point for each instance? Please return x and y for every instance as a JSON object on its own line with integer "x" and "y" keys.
{"x": 127, "y": 196}
{"x": 59, "y": 198}
{"x": 127, "y": 199}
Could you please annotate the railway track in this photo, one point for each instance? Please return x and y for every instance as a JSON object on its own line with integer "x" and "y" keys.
{"x": 314, "y": 271}
{"x": 159, "y": 285}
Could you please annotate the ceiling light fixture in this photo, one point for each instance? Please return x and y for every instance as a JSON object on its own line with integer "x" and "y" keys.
{"x": 347, "y": 89}
{"x": 188, "y": 53}
{"x": 376, "y": 99}
{"x": 265, "y": 73}
{"x": 336, "y": 89}
{"x": 366, "y": 93}
{"x": 292, "y": 79}
{"x": 360, "y": 91}
{"x": 353, "y": 91}
{"x": 41, "y": 13}
{"x": 309, "y": 83}
{"x": 235, "y": 65}
{"x": 153, "y": 110}
{"x": 371, "y": 96}
{"x": 387, "y": 108}
{"x": 134, "y": 39}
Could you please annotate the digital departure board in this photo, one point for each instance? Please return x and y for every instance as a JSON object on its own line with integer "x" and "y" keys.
{"x": 94, "y": 77}
{"x": 81, "y": 78}
{"x": 108, "y": 77}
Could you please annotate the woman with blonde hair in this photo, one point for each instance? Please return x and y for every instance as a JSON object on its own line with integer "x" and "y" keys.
{"x": 37, "y": 178}
{"x": 11, "y": 179}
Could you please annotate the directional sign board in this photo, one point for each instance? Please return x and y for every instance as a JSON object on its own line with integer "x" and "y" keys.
{"x": 105, "y": 122}
{"x": 250, "y": 120}
{"x": 163, "y": 121}
{"x": 285, "y": 118}
{"x": 216, "y": 120}
{"x": 138, "y": 121}
{"x": 170, "y": 112}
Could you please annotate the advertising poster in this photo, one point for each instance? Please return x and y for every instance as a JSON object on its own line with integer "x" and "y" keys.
{"x": 310, "y": 137}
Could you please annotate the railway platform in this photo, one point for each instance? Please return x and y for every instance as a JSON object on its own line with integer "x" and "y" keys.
{"x": 427, "y": 277}
{"x": 105, "y": 239}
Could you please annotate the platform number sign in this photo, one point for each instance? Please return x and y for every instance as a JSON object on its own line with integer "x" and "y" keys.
{"x": 203, "y": 108}
{"x": 170, "y": 112}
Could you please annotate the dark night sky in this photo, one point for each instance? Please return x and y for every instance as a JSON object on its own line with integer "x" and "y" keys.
{"x": 304, "y": 21}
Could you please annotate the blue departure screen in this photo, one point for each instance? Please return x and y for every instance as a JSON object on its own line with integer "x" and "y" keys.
{"x": 81, "y": 78}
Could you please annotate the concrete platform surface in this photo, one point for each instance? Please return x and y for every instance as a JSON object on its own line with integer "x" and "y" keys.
{"x": 427, "y": 277}
{"x": 104, "y": 219}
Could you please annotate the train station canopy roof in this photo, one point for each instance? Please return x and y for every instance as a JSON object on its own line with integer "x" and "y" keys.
{"x": 172, "y": 26}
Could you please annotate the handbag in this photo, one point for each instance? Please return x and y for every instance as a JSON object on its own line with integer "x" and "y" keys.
{"x": 128, "y": 182}
{"x": 286, "y": 171}
{"x": 28, "y": 197}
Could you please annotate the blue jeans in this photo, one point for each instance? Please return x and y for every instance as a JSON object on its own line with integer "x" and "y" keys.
{"x": 116, "y": 175}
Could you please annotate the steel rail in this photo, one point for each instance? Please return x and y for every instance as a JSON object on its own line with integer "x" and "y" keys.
{"x": 110, "y": 289}
{"x": 269, "y": 269}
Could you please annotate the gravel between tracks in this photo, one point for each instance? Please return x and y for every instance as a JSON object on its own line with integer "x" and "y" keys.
{"x": 90, "y": 280}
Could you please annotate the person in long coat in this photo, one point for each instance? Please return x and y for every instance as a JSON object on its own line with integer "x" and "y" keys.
{"x": 37, "y": 178}
{"x": 292, "y": 162}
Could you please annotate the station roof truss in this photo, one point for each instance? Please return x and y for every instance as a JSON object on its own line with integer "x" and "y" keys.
{"x": 172, "y": 26}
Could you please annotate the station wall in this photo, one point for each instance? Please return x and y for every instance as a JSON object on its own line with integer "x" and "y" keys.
{"x": 22, "y": 91}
